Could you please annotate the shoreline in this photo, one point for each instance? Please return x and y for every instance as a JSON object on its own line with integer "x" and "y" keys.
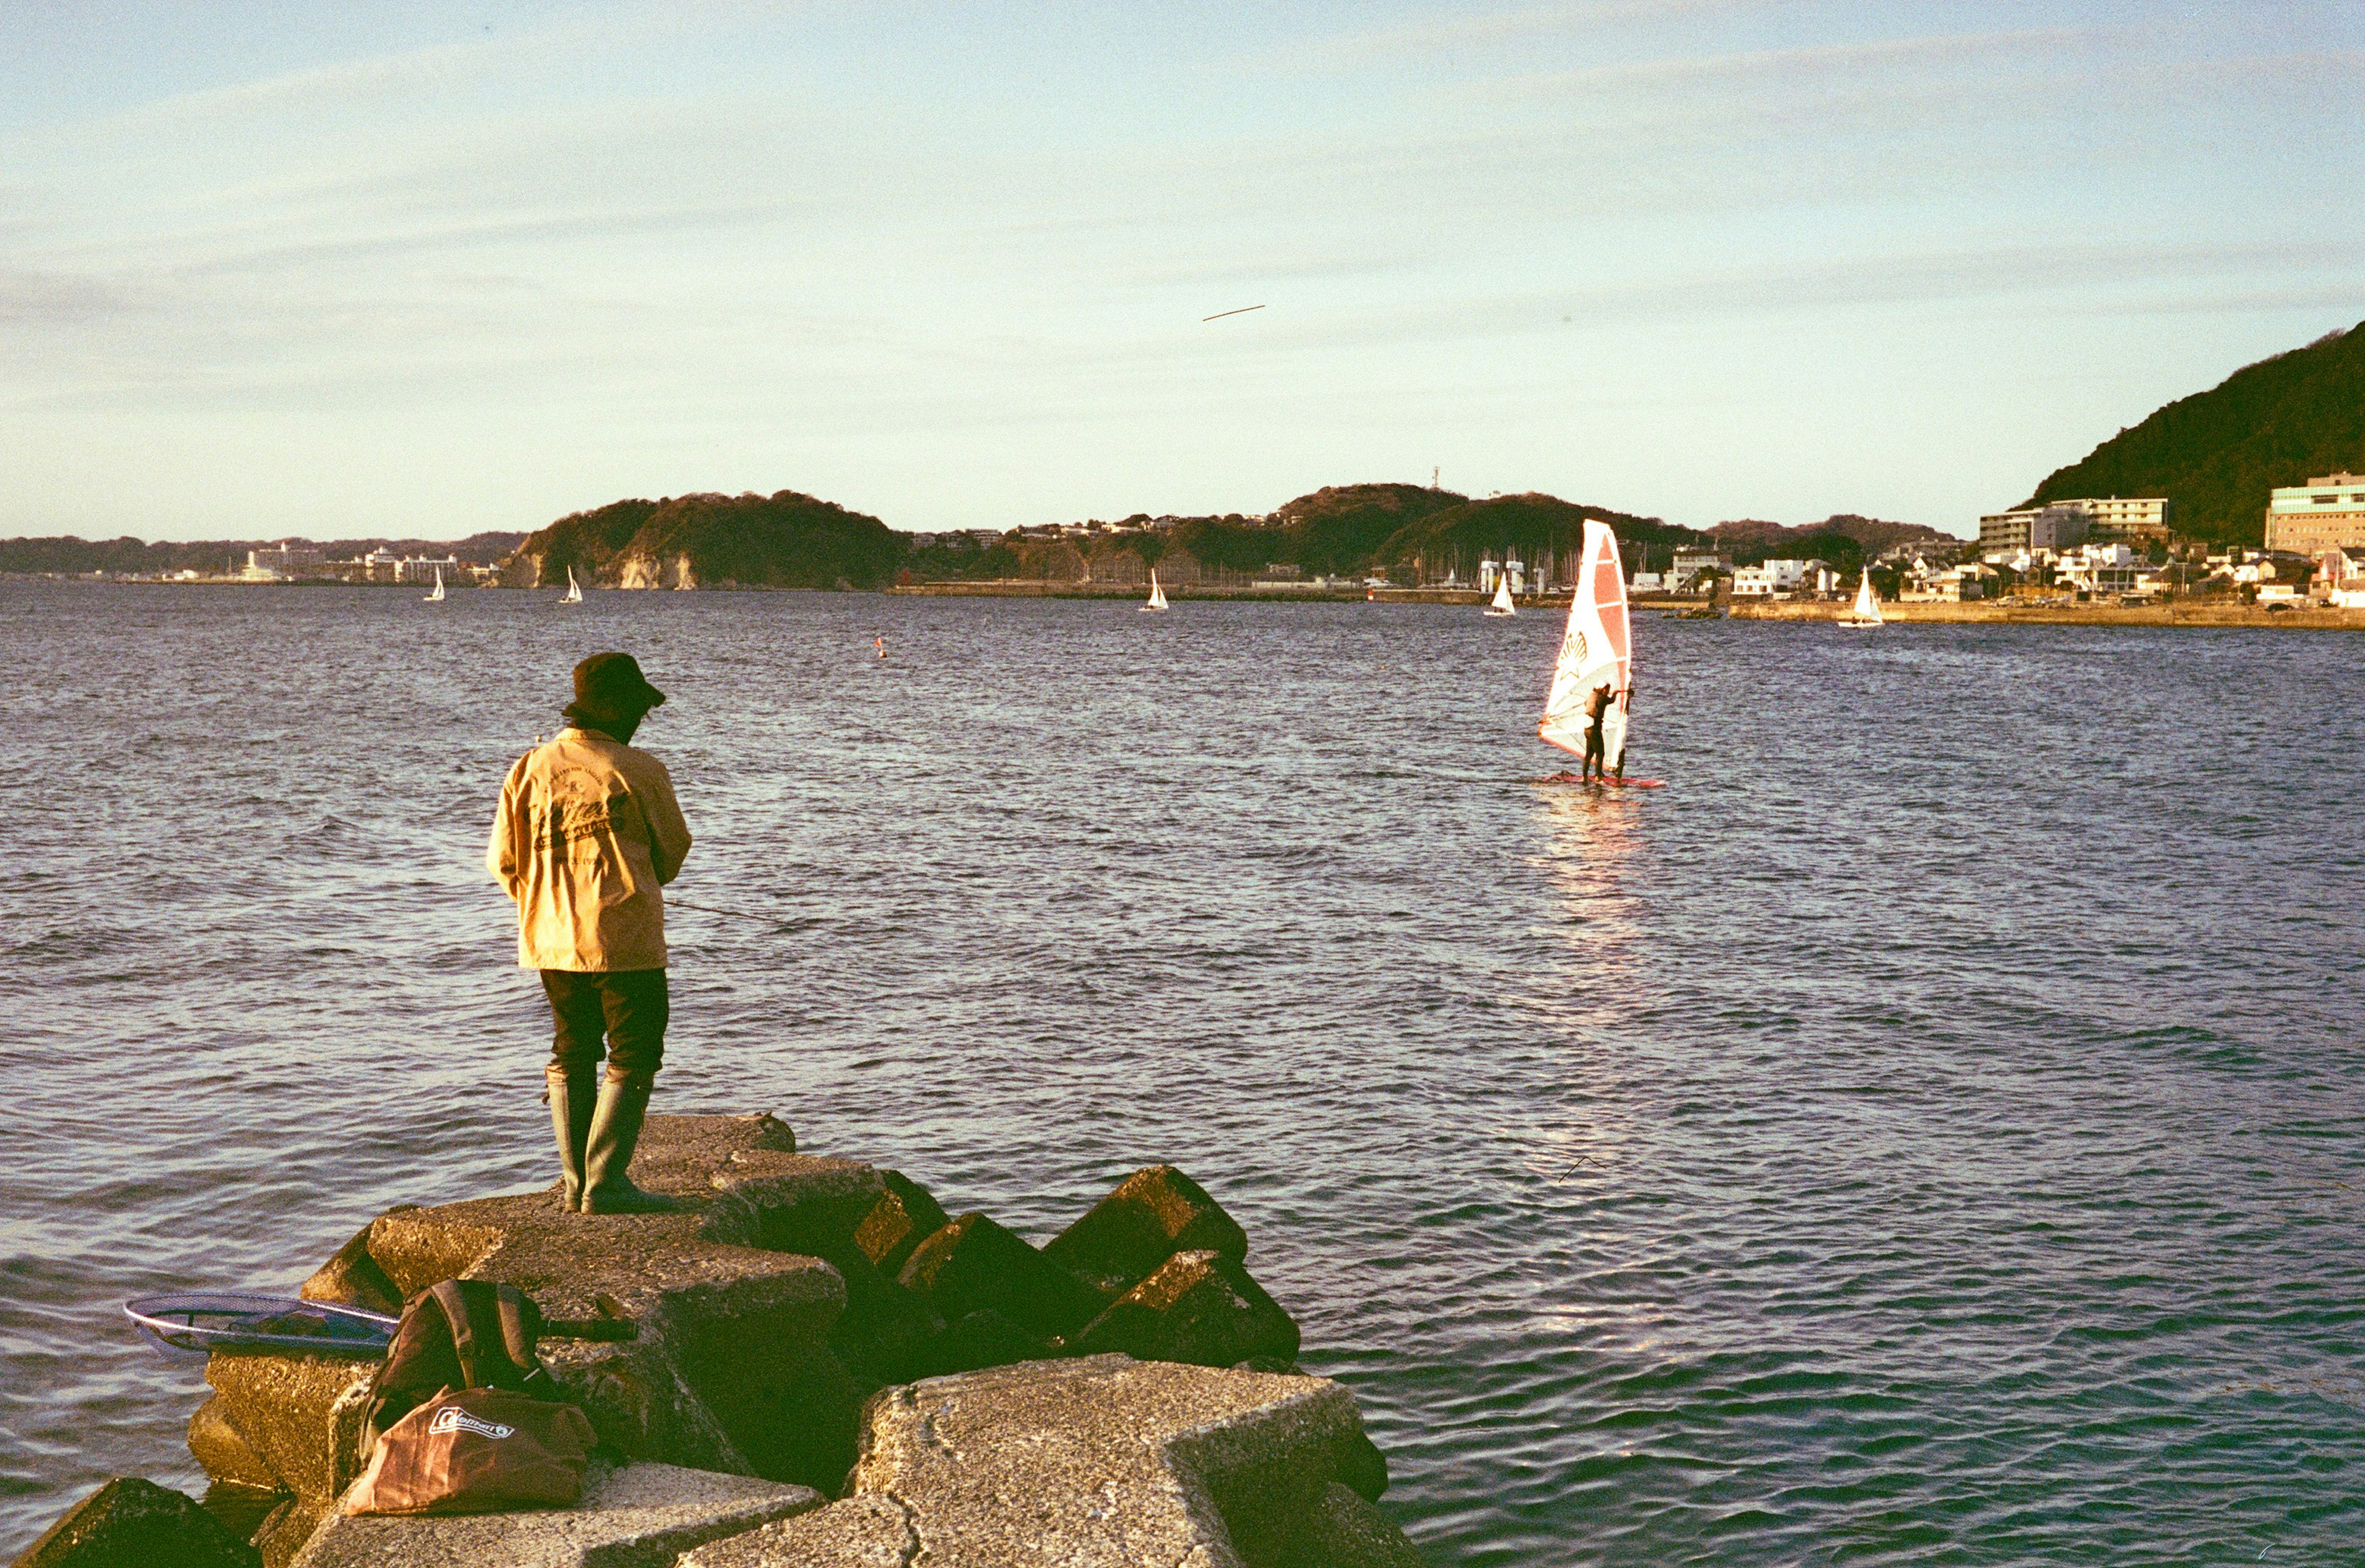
{"x": 2005, "y": 613}
{"x": 2191, "y": 615}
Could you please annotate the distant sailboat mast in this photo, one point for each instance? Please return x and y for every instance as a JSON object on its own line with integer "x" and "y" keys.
{"x": 1866, "y": 612}
{"x": 437, "y": 597}
{"x": 1157, "y": 595}
{"x": 574, "y": 588}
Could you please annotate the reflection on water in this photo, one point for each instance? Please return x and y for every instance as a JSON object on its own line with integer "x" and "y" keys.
{"x": 1925, "y": 1133}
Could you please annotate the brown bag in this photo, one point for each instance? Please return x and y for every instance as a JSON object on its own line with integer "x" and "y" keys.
{"x": 480, "y": 1450}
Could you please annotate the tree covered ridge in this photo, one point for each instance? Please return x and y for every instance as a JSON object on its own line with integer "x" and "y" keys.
{"x": 2216, "y": 454}
{"x": 787, "y": 540}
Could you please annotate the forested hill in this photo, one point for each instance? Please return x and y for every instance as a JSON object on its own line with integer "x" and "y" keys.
{"x": 787, "y": 540}
{"x": 2216, "y": 454}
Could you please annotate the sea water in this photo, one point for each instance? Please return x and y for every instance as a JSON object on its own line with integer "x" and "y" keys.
{"x": 1927, "y": 1130}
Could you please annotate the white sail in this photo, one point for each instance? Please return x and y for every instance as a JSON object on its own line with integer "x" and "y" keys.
{"x": 1502, "y": 605}
{"x": 1866, "y": 608}
{"x": 574, "y": 588}
{"x": 437, "y": 597}
{"x": 1157, "y": 594}
{"x": 1595, "y": 651}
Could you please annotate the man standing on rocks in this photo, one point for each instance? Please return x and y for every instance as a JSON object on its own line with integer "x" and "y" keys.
{"x": 586, "y": 834}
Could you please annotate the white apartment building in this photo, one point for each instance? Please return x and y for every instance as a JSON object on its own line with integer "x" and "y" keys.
{"x": 285, "y": 561}
{"x": 2323, "y": 514}
{"x": 2125, "y": 519}
{"x": 1786, "y": 575}
{"x": 2032, "y": 528}
{"x": 422, "y": 569}
{"x": 1753, "y": 582}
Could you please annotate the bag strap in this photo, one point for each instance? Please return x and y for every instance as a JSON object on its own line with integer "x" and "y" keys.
{"x": 464, "y": 1333}
{"x": 511, "y": 1303}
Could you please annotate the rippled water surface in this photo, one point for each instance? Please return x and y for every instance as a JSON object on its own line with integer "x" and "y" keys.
{"x": 1926, "y": 1131}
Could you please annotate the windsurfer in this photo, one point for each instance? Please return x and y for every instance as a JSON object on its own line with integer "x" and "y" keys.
{"x": 1596, "y": 706}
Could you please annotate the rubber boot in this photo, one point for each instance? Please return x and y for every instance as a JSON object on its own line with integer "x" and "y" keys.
{"x": 615, "y": 1128}
{"x": 571, "y": 1094}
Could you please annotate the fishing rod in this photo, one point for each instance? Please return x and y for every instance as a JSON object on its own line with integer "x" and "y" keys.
{"x": 672, "y": 903}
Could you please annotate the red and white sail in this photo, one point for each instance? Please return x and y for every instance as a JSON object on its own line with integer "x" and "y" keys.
{"x": 1595, "y": 651}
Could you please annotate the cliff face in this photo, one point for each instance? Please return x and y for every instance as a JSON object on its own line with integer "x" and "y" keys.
{"x": 2216, "y": 454}
{"x": 782, "y": 541}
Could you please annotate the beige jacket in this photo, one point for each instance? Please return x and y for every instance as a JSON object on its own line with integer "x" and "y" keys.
{"x": 587, "y": 833}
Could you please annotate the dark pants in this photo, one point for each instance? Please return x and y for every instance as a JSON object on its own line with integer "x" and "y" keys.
{"x": 1593, "y": 752}
{"x": 628, "y": 1006}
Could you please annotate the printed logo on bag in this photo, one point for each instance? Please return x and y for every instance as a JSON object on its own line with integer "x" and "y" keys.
{"x": 452, "y": 1418}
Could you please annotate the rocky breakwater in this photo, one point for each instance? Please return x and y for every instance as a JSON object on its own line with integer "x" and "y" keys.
{"x": 814, "y": 1328}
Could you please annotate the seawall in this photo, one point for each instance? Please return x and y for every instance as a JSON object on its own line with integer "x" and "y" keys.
{"x": 2009, "y": 613}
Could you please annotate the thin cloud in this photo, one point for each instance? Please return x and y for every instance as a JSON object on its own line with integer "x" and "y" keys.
{"x": 1498, "y": 30}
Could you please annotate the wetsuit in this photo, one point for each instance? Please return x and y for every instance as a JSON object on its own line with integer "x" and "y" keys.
{"x": 1596, "y": 706}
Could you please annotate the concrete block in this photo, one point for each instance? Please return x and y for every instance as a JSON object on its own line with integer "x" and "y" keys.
{"x": 638, "y": 1516}
{"x": 287, "y": 1529}
{"x": 732, "y": 1369}
{"x": 1152, "y": 1215}
{"x": 861, "y": 1533}
{"x": 974, "y": 1265}
{"x": 351, "y": 1278}
{"x": 227, "y": 1456}
{"x": 1099, "y": 1463}
{"x": 1349, "y": 1532}
{"x": 133, "y": 1523}
{"x": 299, "y": 1416}
{"x": 985, "y": 1339}
{"x": 1199, "y": 1307}
{"x": 241, "y": 1510}
{"x": 904, "y": 1215}
{"x": 795, "y": 1203}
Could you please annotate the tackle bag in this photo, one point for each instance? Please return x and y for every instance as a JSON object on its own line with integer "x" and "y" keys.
{"x": 463, "y": 1416}
{"x": 460, "y": 1334}
{"x": 479, "y": 1451}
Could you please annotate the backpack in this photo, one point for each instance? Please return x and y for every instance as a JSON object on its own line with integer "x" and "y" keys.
{"x": 463, "y": 1416}
{"x": 459, "y": 1335}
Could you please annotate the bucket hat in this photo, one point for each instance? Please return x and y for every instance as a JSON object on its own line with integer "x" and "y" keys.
{"x": 611, "y": 687}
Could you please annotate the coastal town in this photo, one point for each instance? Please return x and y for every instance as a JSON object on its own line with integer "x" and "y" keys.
{"x": 2099, "y": 551}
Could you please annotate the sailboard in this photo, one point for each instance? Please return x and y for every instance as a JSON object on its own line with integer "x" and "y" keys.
{"x": 1157, "y": 595}
{"x": 1866, "y": 612}
{"x": 574, "y": 588}
{"x": 1596, "y": 651}
{"x": 437, "y": 597}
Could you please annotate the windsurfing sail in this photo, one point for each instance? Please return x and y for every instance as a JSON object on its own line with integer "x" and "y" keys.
{"x": 1157, "y": 594}
{"x": 437, "y": 597}
{"x": 1595, "y": 652}
{"x": 1866, "y": 610}
{"x": 574, "y": 588}
{"x": 1502, "y": 605}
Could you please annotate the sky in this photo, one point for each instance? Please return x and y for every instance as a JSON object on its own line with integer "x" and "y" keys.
{"x": 425, "y": 269}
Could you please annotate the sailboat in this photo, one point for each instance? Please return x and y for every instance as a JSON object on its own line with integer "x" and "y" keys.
{"x": 437, "y": 597}
{"x": 1596, "y": 651}
{"x": 1502, "y": 605}
{"x": 1865, "y": 611}
{"x": 1157, "y": 595}
{"x": 574, "y": 588}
